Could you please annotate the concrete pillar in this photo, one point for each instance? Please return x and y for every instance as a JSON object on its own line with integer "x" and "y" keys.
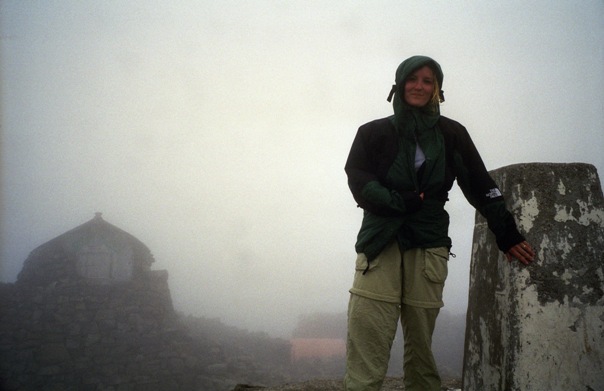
{"x": 540, "y": 327}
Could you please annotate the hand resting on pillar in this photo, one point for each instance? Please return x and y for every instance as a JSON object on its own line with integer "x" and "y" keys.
{"x": 522, "y": 252}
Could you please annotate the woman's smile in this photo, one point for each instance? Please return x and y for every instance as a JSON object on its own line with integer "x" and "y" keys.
{"x": 419, "y": 87}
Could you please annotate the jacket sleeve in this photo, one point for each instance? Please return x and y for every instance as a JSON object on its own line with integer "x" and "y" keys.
{"x": 483, "y": 193}
{"x": 368, "y": 191}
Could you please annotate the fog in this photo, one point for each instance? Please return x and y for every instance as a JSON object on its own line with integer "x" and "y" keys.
{"x": 217, "y": 132}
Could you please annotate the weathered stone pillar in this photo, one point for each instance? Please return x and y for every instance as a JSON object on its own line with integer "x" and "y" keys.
{"x": 540, "y": 327}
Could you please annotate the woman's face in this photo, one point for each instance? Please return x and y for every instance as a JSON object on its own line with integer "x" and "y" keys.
{"x": 419, "y": 87}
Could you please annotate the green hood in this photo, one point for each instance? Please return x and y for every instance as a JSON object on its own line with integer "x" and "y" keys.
{"x": 410, "y": 120}
{"x": 412, "y": 63}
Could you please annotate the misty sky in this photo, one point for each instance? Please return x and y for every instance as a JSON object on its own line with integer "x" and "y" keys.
{"x": 216, "y": 132}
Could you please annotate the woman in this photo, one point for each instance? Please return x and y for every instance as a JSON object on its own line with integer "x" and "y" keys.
{"x": 400, "y": 170}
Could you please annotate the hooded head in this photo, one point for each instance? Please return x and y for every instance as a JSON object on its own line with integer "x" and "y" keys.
{"x": 409, "y": 66}
{"x": 425, "y": 116}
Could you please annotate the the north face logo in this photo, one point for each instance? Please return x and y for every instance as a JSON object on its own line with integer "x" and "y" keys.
{"x": 493, "y": 193}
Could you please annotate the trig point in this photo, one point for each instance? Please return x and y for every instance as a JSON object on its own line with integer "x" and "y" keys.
{"x": 540, "y": 327}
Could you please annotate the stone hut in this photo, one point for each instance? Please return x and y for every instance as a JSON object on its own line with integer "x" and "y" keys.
{"x": 88, "y": 313}
{"x": 95, "y": 251}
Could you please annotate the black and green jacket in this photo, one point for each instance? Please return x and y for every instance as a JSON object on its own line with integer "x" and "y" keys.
{"x": 384, "y": 182}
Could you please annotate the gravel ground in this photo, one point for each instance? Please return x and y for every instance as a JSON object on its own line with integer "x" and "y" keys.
{"x": 390, "y": 384}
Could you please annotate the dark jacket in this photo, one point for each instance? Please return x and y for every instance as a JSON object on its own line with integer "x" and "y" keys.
{"x": 384, "y": 182}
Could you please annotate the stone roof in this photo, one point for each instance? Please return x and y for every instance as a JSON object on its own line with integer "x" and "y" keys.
{"x": 95, "y": 250}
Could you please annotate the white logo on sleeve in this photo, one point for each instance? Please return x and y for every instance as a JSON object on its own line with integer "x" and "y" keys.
{"x": 493, "y": 193}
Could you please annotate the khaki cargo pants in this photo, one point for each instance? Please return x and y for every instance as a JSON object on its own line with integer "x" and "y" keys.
{"x": 408, "y": 286}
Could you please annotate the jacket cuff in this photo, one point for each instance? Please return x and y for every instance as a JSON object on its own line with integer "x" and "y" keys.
{"x": 509, "y": 240}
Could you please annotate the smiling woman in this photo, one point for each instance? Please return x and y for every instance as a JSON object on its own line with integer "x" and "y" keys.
{"x": 420, "y": 87}
{"x": 400, "y": 171}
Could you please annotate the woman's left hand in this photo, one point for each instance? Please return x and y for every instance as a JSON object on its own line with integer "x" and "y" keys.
{"x": 522, "y": 252}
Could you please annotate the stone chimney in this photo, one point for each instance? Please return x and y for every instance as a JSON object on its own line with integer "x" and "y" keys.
{"x": 540, "y": 327}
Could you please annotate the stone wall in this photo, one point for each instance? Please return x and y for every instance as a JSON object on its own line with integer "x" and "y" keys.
{"x": 74, "y": 335}
{"x": 540, "y": 327}
{"x": 64, "y": 329}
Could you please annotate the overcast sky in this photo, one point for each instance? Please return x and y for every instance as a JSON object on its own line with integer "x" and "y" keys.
{"x": 216, "y": 132}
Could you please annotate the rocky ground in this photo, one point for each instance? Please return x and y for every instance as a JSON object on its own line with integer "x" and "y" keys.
{"x": 391, "y": 384}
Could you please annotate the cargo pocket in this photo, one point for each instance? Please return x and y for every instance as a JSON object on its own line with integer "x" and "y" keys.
{"x": 436, "y": 268}
{"x": 361, "y": 263}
